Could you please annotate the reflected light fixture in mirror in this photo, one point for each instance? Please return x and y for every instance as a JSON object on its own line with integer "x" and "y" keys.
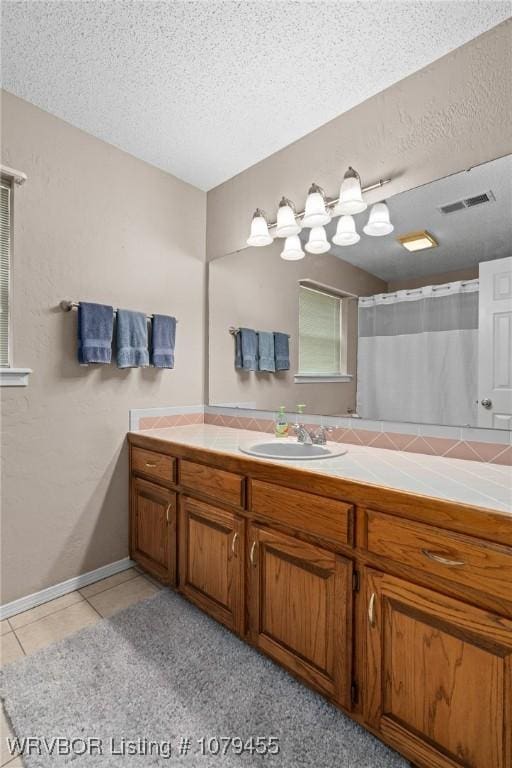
{"x": 317, "y": 242}
{"x": 287, "y": 224}
{"x": 259, "y": 230}
{"x": 351, "y": 195}
{"x": 292, "y": 250}
{"x": 346, "y": 232}
{"x": 378, "y": 221}
{"x": 315, "y": 213}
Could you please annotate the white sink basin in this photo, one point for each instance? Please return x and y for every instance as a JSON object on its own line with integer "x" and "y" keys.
{"x": 291, "y": 449}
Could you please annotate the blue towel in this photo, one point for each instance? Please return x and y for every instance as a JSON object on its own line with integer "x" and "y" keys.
{"x": 238, "y": 350}
{"x": 95, "y": 327}
{"x": 163, "y": 340}
{"x": 132, "y": 339}
{"x": 282, "y": 351}
{"x": 249, "y": 349}
{"x": 266, "y": 351}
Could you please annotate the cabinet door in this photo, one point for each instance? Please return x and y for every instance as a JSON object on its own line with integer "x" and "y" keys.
{"x": 300, "y": 609}
{"x": 153, "y": 529}
{"x": 211, "y": 560}
{"x": 439, "y": 679}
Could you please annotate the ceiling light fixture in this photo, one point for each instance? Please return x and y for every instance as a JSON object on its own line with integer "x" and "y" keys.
{"x": 346, "y": 232}
{"x": 317, "y": 242}
{"x": 378, "y": 221}
{"x": 418, "y": 241}
{"x": 259, "y": 230}
{"x": 292, "y": 250}
{"x": 316, "y": 213}
{"x": 351, "y": 195}
{"x": 287, "y": 224}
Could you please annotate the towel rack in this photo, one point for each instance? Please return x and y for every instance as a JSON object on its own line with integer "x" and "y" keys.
{"x": 67, "y": 306}
{"x": 233, "y": 331}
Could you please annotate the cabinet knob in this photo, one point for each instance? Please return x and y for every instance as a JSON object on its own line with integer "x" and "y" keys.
{"x": 151, "y": 464}
{"x": 251, "y": 553}
{"x": 169, "y": 507}
{"x": 235, "y": 537}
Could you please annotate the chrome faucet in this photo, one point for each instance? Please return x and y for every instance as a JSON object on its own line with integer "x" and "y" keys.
{"x": 320, "y": 437}
{"x": 303, "y": 435}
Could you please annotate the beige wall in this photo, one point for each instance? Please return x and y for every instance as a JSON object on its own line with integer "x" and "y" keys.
{"x": 451, "y": 115}
{"x": 91, "y": 223}
{"x": 257, "y": 289}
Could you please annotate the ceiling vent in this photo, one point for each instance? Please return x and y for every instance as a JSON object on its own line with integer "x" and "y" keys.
{"x": 468, "y": 202}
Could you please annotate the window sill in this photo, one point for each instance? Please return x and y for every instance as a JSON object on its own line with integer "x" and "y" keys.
{"x": 14, "y": 377}
{"x": 311, "y": 378}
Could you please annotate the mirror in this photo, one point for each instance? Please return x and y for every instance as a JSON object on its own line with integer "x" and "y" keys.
{"x": 377, "y": 331}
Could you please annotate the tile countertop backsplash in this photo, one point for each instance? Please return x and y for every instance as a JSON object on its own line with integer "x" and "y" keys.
{"x": 469, "y": 482}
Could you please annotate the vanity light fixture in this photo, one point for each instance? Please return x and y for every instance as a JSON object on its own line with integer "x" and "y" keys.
{"x": 287, "y": 224}
{"x": 378, "y": 221}
{"x": 346, "y": 232}
{"x": 351, "y": 195}
{"x": 418, "y": 241}
{"x": 316, "y": 213}
{"x": 259, "y": 229}
{"x": 317, "y": 242}
{"x": 292, "y": 250}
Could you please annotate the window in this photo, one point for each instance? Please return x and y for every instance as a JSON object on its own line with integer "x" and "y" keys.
{"x": 322, "y": 334}
{"x": 5, "y": 266}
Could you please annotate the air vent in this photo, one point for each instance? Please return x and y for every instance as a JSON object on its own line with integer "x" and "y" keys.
{"x": 468, "y": 202}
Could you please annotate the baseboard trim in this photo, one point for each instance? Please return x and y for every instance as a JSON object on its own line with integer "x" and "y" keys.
{"x": 57, "y": 590}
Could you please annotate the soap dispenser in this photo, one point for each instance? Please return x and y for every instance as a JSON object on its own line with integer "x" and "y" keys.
{"x": 281, "y": 423}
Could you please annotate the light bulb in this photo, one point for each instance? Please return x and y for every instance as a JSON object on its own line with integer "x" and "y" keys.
{"x": 315, "y": 213}
{"x": 287, "y": 224}
{"x": 346, "y": 232}
{"x": 292, "y": 250}
{"x": 378, "y": 221}
{"x": 259, "y": 230}
{"x": 317, "y": 242}
{"x": 351, "y": 196}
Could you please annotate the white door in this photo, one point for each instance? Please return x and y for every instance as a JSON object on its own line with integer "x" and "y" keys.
{"x": 495, "y": 344}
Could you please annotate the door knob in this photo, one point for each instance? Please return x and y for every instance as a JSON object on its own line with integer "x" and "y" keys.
{"x": 486, "y": 402}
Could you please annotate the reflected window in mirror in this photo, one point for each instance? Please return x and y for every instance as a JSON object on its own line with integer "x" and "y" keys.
{"x": 322, "y": 333}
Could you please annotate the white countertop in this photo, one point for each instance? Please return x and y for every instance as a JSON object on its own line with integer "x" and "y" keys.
{"x": 467, "y": 482}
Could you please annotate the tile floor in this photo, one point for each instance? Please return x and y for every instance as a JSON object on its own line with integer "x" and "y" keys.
{"x": 31, "y": 630}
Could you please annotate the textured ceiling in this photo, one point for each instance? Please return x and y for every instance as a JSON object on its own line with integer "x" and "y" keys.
{"x": 465, "y": 238}
{"x": 206, "y": 89}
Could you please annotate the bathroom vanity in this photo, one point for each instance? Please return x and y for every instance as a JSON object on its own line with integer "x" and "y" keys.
{"x": 395, "y": 606}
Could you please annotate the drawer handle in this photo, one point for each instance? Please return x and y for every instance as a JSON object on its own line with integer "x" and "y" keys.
{"x": 251, "y": 554}
{"x": 151, "y": 464}
{"x": 371, "y": 610}
{"x": 235, "y": 537}
{"x": 440, "y": 559}
{"x": 169, "y": 507}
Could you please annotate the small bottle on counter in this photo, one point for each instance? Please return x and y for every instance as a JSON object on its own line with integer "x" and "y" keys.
{"x": 281, "y": 423}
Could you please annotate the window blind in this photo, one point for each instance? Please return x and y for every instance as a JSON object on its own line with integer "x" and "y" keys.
{"x": 5, "y": 253}
{"x": 320, "y": 333}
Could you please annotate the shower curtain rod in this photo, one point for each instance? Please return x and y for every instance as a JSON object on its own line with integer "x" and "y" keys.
{"x": 67, "y": 306}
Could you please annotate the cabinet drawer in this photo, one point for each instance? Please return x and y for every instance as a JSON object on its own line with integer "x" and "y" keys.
{"x": 462, "y": 559}
{"x": 216, "y": 483}
{"x": 318, "y": 516}
{"x": 158, "y": 466}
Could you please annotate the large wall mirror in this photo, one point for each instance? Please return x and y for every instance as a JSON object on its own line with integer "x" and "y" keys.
{"x": 415, "y": 330}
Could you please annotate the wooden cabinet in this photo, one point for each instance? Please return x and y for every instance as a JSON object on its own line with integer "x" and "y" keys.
{"x": 439, "y": 676}
{"x": 299, "y": 608}
{"x": 153, "y": 529}
{"x": 211, "y": 560}
{"x": 406, "y": 598}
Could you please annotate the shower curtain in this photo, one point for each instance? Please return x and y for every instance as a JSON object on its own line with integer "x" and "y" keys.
{"x": 417, "y": 355}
